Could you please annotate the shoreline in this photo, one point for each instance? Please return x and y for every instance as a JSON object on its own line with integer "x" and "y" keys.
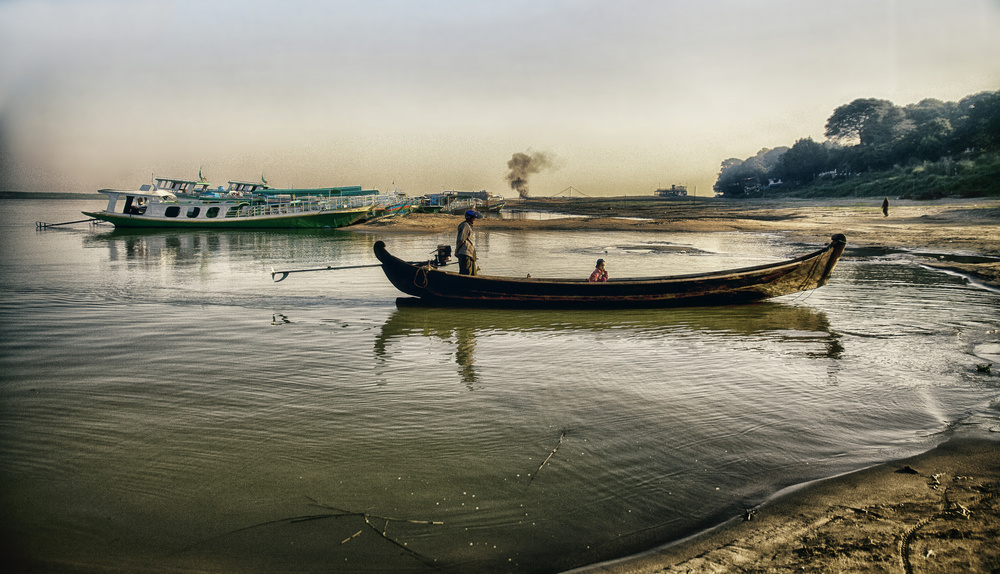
{"x": 929, "y": 230}
{"x": 938, "y": 511}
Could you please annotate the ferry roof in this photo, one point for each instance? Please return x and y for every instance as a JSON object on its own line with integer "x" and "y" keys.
{"x": 346, "y": 190}
{"x": 162, "y": 194}
{"x": 180, "y": 180}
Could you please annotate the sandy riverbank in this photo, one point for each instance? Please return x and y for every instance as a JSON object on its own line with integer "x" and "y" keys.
{"x": 938, "y": 512}
{"x": 944, "y": 226}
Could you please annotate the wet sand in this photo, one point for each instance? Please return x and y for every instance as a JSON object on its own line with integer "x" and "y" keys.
{"x": 970, "y": 227}
{"x": 936, "y": 512}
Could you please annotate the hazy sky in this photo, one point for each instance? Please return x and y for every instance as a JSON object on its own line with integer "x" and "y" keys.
{"x": 429, "y": 95}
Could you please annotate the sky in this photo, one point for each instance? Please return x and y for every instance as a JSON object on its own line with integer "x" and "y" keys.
{"x": 424, "y": 96}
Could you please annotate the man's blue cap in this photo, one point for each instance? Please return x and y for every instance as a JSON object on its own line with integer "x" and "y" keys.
{"x": 474, "y": 214}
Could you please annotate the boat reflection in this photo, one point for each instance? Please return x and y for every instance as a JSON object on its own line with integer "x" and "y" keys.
{"x": 192, "y": 246}
{"x": 771, "y": 320}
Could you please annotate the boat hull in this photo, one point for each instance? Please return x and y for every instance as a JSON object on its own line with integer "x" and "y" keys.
{"x": 385, "y": 212}
{"x": 306, "y": 220}
{"x": 437, "y": 287}
{"x": 429, "y": 209}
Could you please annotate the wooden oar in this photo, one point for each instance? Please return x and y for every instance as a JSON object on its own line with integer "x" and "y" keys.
{"x": 284, "y": 274}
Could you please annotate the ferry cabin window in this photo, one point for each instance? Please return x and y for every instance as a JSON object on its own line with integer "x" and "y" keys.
{"x": 193, "y": 212}
{"x": 212, "y": 212}
{"x": 172, "y": 211}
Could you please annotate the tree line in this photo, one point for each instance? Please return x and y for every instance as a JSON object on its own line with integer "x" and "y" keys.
{"x": 872, "y": 135}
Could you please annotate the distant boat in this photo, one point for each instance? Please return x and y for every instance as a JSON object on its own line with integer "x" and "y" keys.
{"x": 460, "y": 206}
{"x": 397, "y": 208}
{"x": 674, "y": 191}
{"x": 151, "y": 207}
{"x": 383, "y": 204}
{"x": 494, "y": 204}
{"x": 438, "y": 287}
{"x": 247, "y": 204}
{"x": 427, "y": 204}
{"x": 458, "y": 202}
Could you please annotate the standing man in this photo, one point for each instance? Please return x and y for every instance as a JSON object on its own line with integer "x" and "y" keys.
{"x": 885, "y": 207}
{"x": 465, "y": 251}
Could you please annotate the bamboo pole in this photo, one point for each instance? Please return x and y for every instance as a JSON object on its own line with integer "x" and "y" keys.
{"x": 563, "y": 435}
{"x": 44, "y": 225}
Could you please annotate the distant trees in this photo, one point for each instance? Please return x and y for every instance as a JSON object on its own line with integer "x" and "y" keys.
{"x": 977, "y": 121}
{"x": 870, "y": 134}
{"x": 739, "y": 175}
{"x": 804, "y": 161}
{"x": 869, "y": 121}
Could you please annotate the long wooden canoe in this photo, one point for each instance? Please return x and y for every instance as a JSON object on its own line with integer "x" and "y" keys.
{"x": 438, "y": 287}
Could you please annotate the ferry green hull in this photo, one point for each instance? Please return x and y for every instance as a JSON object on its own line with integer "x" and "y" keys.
{"x": 306, "y": 220}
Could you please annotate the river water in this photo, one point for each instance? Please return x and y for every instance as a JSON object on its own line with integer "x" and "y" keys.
{"x": 166, "y": 406}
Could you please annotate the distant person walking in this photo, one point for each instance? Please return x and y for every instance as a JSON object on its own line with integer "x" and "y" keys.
{"x": 600, "y": 274}
{"x": 885, "y": 207}
{"x": 464, "y": 249}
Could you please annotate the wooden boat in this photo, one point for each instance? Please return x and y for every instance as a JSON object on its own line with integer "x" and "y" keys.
{"x": 176, "y": 202}
{"x": 398, "y": 207}
{"x": 435, "y": 286}
{"x": 160, "y": 209}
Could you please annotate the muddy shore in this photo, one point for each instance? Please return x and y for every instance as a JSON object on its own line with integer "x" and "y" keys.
{"x": 938, "y": 512}
{"x": 967, "y": 227}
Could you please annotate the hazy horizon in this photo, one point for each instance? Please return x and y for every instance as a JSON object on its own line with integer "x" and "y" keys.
{"x": 426, "y": 96}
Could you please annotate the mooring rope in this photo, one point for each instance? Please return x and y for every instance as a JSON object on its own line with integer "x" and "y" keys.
{"x": 422, "y": 273}
{"x": 805, "y": 281}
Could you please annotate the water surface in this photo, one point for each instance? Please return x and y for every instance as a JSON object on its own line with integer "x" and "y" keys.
{"x": 166, "y": 406}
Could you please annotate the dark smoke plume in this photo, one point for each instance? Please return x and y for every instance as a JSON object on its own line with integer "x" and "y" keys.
{"x": 521, "y": 166}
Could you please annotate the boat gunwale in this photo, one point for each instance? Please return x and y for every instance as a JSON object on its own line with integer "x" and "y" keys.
{"x": 721, "y": 274}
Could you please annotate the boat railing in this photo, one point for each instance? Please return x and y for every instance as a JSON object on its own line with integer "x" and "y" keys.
{"x": 302, "y": 204}
{"x": 460, "y": 205}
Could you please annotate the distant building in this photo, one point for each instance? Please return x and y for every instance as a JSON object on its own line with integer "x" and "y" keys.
{"x": 674, "y": 191}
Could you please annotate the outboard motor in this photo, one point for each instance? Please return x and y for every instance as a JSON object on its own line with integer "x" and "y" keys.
{"x": 441, "y": 256}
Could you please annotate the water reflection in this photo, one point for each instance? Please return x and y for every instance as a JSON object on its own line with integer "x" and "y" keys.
{"x": 193, "y": 246}
{"x": 519, "y": 215}
{"x": 463, "y": 327}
